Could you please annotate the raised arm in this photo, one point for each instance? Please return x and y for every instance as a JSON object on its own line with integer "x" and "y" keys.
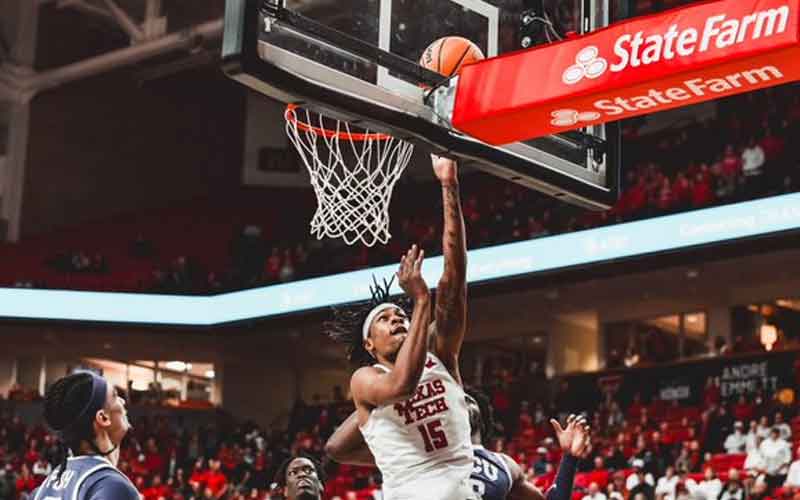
{"x": 576, "y": 443}
{"x": 347, "y": 445}
{"x": 374, "y": 387}
{"x": 451, "y": 293}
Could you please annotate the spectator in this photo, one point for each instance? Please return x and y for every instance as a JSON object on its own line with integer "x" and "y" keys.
{"x": 26, "y": 483}
{"x": 153, "y": 461}
{"x": 286, "y": 272}
{"x": 707, "y": 489}
{"x": 41, "y": 469}
{"x": 665, "y": 488}
{"x": 599, "y": 474}
{"x": 541, "y": 463}
{"x": 743, "y": 410}
{"x": 702, "y": 195}
{"x": 751, "y": 437}
{"x": 682, "y": 492}
{"x": 784, "y": 428}
{"x": 733, "y": 489}
{"x": 615, "y": 416}
{"x": 773, "y": 146}
{"x": 8, "y": 482}
{"x": 720, "y": 426}
{"x": 792, "y": 482}
{"x": 760, "y": 490}
{"x": 737, "y": 441}
{"x": 711, "y": 393}
{"x": 157, "y": 489}
{"x": 197, "y": 480}
{"x": 616, "y": 488}
{"x": 666, "y": 198}
{"x": 777, "y": 455}
{"x": 272, "y": 267}
{"x": 32, "y": 455}
{"x": 638, "y": 476}
{"x": 752, "y": 159}
{"x": 684, "y": 463}
{"x": 661, "y": 454}
{"x": 215, "y": 480}
{"x": 731, "y": 164}
{"x": 642, "y": 491}
{"x": 724, "y": 185}
{"x": 615, "y": 459}
{"x": 681, "y": 192}
{"x": 594, "y": 492}
{"x": 763, "y": 427}
{"x": 300, "y": 256}
{"x": 754, "y": 463}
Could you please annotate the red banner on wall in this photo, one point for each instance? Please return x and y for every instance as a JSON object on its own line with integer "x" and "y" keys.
{"x": 649, "y": 64}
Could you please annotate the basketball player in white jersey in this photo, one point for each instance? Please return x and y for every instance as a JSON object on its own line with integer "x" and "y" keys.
{"x": 410, "y": 406}
{"x": 495, "y": 476}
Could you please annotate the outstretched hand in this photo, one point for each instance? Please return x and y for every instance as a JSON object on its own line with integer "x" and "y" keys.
{"x": 575, "y": 438}
{"x": 446, "y": 170}
{"x": 409, "y": 275}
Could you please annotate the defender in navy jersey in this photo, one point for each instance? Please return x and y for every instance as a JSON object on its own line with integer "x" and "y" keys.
{"x": 90, "y": 420}
{"x": 496, "y": 476}
{"x": 491, "y": 476}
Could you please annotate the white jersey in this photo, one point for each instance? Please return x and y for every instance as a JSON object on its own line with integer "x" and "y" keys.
{"x": 422, "y": 446}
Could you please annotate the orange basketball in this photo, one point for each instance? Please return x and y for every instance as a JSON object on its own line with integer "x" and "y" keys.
{"x": 447, "y": 55}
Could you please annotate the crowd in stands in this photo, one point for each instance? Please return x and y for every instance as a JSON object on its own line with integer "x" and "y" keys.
{"x": 746, "y": 447}
{"x": 740, "y": 152}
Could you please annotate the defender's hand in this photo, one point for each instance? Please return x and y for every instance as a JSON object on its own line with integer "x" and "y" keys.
{"x": 575, "y": 439}
{"x": 410, "y": 274}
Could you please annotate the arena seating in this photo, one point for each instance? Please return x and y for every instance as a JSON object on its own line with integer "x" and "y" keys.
{"x": 249, "y": 455}
{"x": 198, "y": 245}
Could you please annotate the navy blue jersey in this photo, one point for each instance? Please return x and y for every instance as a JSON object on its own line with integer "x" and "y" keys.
{"x": 87, "y": 478}
{"x": 490, "y": 476}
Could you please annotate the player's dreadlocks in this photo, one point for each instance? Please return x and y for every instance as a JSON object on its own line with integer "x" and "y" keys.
{"x": 346, "y": 326}
{"x": 484, "y": 421}
{"x": 63, "y": 402}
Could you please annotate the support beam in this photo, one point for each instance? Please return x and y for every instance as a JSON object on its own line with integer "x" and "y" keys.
{"x": 14, "y": 172}
{"x": 152, "y": 10}
{"x": 155, "y": 25}
{"x": 22, "y": 55}
{"x": 23, "y": 44}
{"x": 87, "y": 8}
{"x": 124, "y": 57}
{"x": 124, "y": 21}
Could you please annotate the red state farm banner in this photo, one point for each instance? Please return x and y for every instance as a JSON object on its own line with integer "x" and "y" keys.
{"x": 649, "y": 64}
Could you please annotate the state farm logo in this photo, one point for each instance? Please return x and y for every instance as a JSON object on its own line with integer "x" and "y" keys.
{"x": 588, "y": 64}
{"x": 697, "y": 36}
{"x": 682, "y": 93}
{"x": 571, "y": 117}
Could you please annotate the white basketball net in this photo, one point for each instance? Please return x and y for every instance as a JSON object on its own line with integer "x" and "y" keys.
{"x": 353, "y": 175}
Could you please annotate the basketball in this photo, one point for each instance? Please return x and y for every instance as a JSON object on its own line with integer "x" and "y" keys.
{"x": 447, "y": 55}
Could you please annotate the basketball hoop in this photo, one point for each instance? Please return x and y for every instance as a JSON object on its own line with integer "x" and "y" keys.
{"x": 353, "y": 175}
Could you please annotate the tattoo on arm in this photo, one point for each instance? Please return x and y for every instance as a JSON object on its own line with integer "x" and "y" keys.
{"x": 451, "y": 294}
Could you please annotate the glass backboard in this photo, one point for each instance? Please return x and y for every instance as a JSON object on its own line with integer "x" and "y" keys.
{"x": 357, "y": 60}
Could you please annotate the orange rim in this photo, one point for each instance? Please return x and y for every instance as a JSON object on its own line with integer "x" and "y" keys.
{"x": 291, "y": 116}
